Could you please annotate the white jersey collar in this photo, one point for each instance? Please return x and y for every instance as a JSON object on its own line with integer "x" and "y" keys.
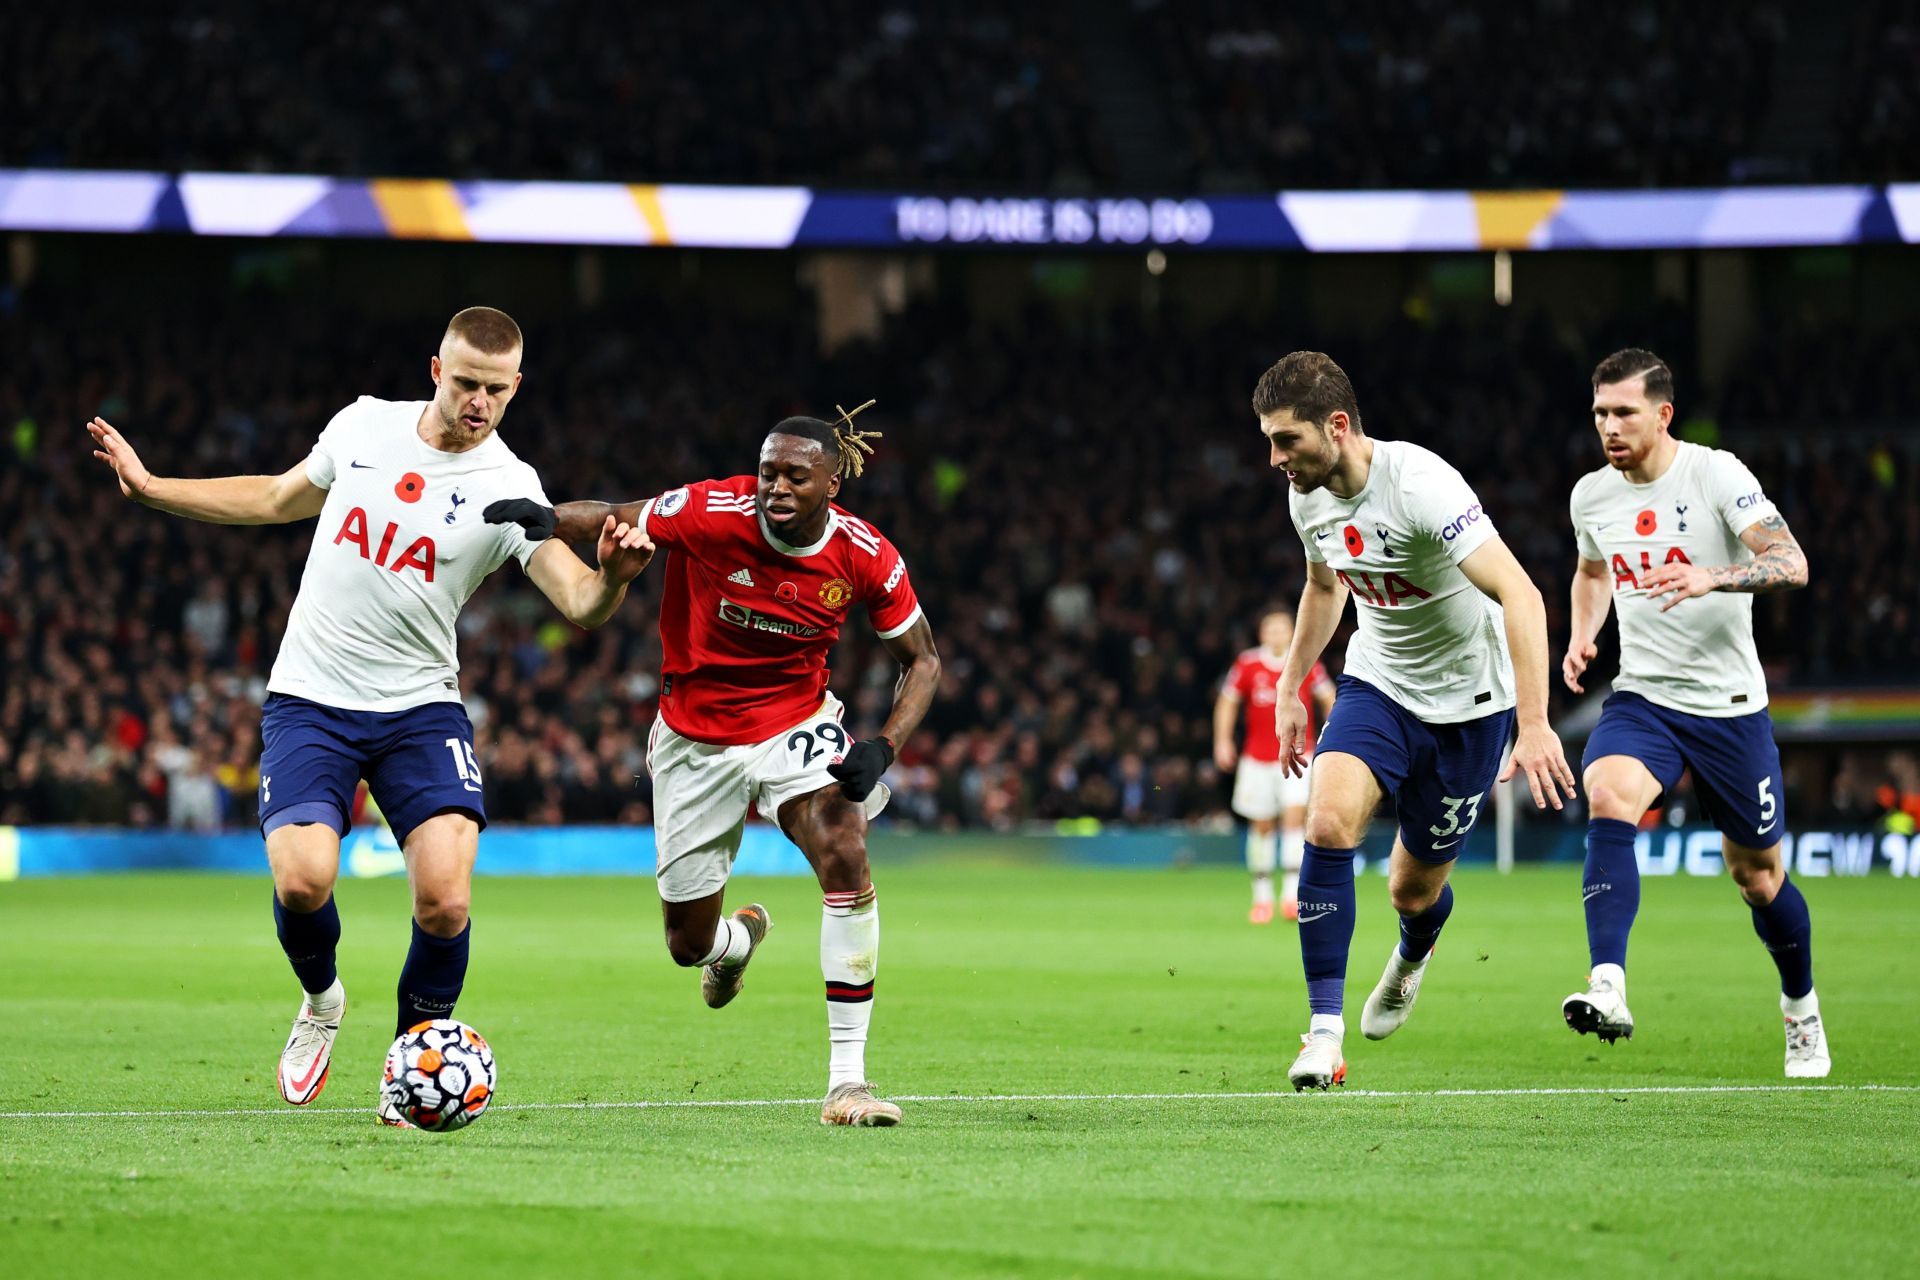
{"x": 787, "y": 549}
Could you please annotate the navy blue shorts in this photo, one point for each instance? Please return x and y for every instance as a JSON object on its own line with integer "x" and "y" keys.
{"x": 417, "y": 763}
{"x": 1437, "y": 773}
{"x": 1735, "y": 763}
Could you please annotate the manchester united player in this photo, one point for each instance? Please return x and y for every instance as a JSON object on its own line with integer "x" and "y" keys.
{"x": 762, "y": 572}
{"x": 1266, "y": 795}
{"x": 365, "y": 683}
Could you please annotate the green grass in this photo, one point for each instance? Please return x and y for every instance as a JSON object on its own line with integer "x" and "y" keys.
{"x": 169, "y": 993}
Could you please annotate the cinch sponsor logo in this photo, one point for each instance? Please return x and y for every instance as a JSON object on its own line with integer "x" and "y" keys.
{"x": 418, "y": 555}
{"x": 741, "y": 616}
{"x": 1750, "y": 500}
{"x": 1470, "y": 516}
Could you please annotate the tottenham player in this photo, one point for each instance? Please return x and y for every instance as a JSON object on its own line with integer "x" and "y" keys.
{"x": 762, "y": 573}
{"x": 365, "y": 683}
{"x": 1426, "y": 704}
{"x": 1683, "y": 538}
{"x": 1271, "y": 800}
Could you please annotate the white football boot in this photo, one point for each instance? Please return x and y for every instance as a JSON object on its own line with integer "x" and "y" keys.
{"x": 855, "y": 1104}
{"x": 1600, "y": 1010}
{"x": 389, "y": 1115}
{"x": 1392, "y": 1000}
{"x": 308, "y": 1056}
{"x": 1319, "y": 1064}
{"x": 1807, "y": 1056}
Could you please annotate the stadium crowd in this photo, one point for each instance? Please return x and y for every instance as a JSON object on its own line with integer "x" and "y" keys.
{"x": 985, "y": 94}
{"x": 850, "y": 91}
{"x": 1086, "y": 508}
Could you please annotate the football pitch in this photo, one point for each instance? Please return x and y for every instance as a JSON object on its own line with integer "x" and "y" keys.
{"x": 1092, "y": 1065}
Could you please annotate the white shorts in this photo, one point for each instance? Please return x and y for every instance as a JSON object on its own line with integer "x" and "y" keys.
{"x": 701, "y": 794}
{"x": 1262, "y": 791}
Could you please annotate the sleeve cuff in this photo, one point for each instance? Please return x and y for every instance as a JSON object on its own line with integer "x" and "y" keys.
{"x": 903, "y": 628}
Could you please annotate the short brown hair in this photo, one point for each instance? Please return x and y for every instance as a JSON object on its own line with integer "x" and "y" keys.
{"x": 1637, "y": 362}
{"x": 486, "y": 330}
{"x": 1310, "y": 384}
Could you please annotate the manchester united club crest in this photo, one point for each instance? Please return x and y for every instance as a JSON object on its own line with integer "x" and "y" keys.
{"x": 835, "y": 592}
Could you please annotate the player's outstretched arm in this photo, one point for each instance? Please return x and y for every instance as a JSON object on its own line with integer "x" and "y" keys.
{"x": 1321, "y": 602}
{"x": 1778, "y": 564}
{"x": 1536, "y": 750}
{"x": 913, "y": 693}
{"x": 588, "y": 597}
{"x": 569, "y": 522}
{"x": 224, "y": 500}
{"x": 1592, "y": 598}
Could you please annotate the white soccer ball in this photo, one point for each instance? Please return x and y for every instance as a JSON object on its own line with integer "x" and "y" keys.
{"x": 440, "y": 1075}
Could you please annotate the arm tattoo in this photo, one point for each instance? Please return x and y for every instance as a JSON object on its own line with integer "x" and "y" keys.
{"x": 1778, "y": 563}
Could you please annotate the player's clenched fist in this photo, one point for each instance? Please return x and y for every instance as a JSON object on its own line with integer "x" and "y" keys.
{"x": 1536, "y": 751}
{"x": 112, "y": 448}
{"x": 1574, "y": 665}
{"x": 625, "y": 549}
{"x": 860, "y": 771}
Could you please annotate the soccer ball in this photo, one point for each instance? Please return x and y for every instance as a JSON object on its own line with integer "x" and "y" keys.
{"x": 440, "y": 1075}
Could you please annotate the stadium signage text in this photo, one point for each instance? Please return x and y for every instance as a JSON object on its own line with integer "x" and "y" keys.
{"x": 962, "y": 220}
{"x": 1809, "y": 854}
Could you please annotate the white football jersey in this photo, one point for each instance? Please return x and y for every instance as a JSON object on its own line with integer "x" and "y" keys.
{"x": 1428, "y": 638}
{"x": 399, "y": 550}
{"x": 1698, "y": 657}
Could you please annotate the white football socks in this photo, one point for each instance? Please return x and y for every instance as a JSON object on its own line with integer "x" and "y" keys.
{"x": 1260, "y": 853}
{"x": 849, "y": 956}
{"x": 329, "y": 1002}
{"x": 1804, "y": 1007}
{"x": 1613, "y": 975}
{"x": 731, "y": 944}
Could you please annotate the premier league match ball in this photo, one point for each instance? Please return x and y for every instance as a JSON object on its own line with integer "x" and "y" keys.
{"x": 440, "y": 1075}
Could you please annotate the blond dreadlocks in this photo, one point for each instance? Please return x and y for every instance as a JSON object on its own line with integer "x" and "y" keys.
{"x": 854, "y": 449}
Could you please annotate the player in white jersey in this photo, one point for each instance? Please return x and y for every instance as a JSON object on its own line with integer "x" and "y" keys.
{"x": 1425, "y": 708}
{"x": 366, "y": 680}
{"x": 1679, "y": 539}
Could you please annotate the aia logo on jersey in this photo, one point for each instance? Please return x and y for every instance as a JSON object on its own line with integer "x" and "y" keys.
{"x": 1355, "y": 543}
{"x": 1623, "y": 575}
{"x": 418, "y": 555}
{"x": 1390, "y": 592}
{"x": 1645, "y": 523}
{"x": 835, "y": 592}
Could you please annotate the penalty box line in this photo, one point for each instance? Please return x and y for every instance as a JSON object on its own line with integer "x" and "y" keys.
{"x": 691, "y": 1104}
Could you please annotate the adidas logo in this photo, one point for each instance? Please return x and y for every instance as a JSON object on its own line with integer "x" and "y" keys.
{"x": 741, "y": 576}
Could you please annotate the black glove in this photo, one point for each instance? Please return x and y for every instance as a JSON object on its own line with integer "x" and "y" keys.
{"x": 525, "y": 512}
{"x": 864, "y": 763}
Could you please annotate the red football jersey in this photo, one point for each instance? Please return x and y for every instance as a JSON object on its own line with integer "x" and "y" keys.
{"x": 747, "y": 620}
{"x": 1254, "y": 680}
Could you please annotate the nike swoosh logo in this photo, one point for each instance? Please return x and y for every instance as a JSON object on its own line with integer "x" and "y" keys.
{"x": 1449, "y": 844}
{"x": 1319, "y": 537}
{"x": 1318, "y": 915}
{"x": 1768, "y": 827}
{"x": 361, "y": 466}
{"x": 1589, "y": 897}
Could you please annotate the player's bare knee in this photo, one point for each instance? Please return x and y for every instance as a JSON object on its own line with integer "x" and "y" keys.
{"x": 1330, "y": 828}
{"x": 1410, "y": 898}
{"x": 1757, "y": 879}
{"x": 302, "y": 891}
{"x": 686, "y": 950}
{"x": 442, "y": 914}
{"x": 1604, "y": 800}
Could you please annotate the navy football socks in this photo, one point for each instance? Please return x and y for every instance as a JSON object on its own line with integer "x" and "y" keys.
{"x": 1787, "y": 930}
{"x": 1418, "y": 932}
{"x": 309, "y": 939}
{"x": 1326, "y": 924}
{"x": 1611, "y": 890}
{"x": 430, "y": 982}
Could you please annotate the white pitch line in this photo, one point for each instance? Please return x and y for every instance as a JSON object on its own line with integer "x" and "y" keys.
{"x": 688, "y": 1104}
